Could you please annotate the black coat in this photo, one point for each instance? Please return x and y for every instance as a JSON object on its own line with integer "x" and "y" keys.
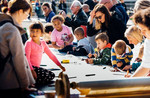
{"x": 115, "y": 30}
{"x": 77, "y": 20}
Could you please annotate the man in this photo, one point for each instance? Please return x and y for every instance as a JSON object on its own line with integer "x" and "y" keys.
{"x": 115, "y": 11}
{"x": 78, "y": 18}
{"x": 86, "y": 9}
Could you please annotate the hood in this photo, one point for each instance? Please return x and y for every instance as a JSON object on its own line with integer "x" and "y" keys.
{"x": 8, "y": 18}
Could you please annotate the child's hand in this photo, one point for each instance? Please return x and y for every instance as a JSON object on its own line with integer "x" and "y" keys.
{"x": 66, "y": 43}
{"x": 34, "y": 74}
{"x": 115, "y": 70}
{"x": 127, "y": 76}
{"x": 119, "y": 64}
{"x": 95, "y": 55}
{"x": 90, "y": 61}
{"x": 90, "y": 55}
{"x": 127, "y": 67}
{"x": 61, "y": 47}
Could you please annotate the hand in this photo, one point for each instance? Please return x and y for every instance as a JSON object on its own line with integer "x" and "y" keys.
{"x": 90, "y": 55}
{"x": 61, "y": 47}
{"x": 90, "y": 61}
{"x": 73, "y": 48}
{"x": 34, "y": 74}
{"x": 119, "y": 64}
{"x": 92, "y": 13}
{"x": 95, "y": 55}
{"x": 63, "y": 13}
{"x": 66, "y": 43}
{"x": 127, "y": 76}
{"x": 63, "y": 68}
{"x": 115, "y": 70}
{"x": 127, "y": 67}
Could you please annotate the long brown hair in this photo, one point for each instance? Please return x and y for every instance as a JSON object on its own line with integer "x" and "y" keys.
{"x": 101, "y": 8}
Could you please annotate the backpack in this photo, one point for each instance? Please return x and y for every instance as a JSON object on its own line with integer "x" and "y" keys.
{"x": 3, "y": 60}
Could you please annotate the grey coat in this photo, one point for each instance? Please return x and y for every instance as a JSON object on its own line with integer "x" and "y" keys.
{"x": 20, "y": 75}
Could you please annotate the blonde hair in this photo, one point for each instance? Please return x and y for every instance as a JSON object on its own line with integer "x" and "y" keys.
{"x": 120, "y": 47}
{"x": 135, "y": 32}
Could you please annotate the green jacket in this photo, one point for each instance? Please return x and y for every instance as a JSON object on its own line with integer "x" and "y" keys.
{"x": 104, "y": 58}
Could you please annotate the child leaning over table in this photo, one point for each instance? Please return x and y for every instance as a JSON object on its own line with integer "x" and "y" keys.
{"x": 34, "y": 49}
{"x": 103, "y": 53}
{"x": 83, "y": 46}
{"x": 137, "y": 61}
{"x": 121, "y": 55}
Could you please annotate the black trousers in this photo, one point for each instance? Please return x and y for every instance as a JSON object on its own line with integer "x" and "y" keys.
{"x": 79, "y": 51}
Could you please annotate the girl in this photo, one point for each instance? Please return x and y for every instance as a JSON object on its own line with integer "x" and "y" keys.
{"x": 61, "y": 36}
{"x": 34, "y": 48}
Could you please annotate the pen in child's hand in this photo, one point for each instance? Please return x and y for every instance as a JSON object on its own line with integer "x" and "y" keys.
{"x": 127, "y": 72}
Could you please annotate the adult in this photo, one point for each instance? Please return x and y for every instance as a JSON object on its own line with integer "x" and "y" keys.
{"x": 53, "y": 5}
{"x": 3, "y": 3}
{"x": 78, "y": 18}
{"x": 16, "y": 75}
{"x": 122, "y": 10}
{"x": 105, "y": 22}
{"x": 91, "y": 3}
{"x": 62, "y": 5}
{"x": 141, "y": 4}
{"x": 113, "y": 9}
{"x": 141, "y": 18}
{"x": 123, "y": 4}
{"x": 86, "y": 9}
{"x": 37, "y": 8}
{"x": 48, "y": 13}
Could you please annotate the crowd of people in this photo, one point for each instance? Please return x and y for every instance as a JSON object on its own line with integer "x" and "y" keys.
{"x": 100, "y": 28}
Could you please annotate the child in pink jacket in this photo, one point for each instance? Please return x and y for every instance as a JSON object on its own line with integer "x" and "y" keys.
{"x": 34, "y": 49}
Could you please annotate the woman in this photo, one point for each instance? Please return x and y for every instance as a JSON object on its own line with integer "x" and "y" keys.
{"x": 104, "y": 22}
{"x": 16, "y": 75}
{"x": 48, "y": 13}
{"x": 62, "y": 5}
{"x": 142, "y": 19}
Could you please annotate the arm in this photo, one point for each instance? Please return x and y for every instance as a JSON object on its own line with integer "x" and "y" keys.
{"x": 70, "y": 40}
{"x": 129, "y": 56}
{"x": 56, "y": 47}
{"x": 113, "y": 58}
{"x": 28, "y": 53}
{"x": 52, "y": 56}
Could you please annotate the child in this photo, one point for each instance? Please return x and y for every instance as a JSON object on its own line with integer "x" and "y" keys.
{"x": 103, "y": 55}
{"x": 83, "y": 47}
{"x": 137, "y": 62}
{"x": 34, "y": 49}
{"x": 121, "y": 55}
{"x": 61, "y": 36}
{"x": 47, "y": 35}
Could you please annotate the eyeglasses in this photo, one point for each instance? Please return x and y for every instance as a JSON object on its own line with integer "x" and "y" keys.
{"x": 99, "y": 17}
{"x": 44, "y": 8}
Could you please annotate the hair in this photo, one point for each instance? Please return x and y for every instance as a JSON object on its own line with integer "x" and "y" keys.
{"x": 79, "y": 31}
{"x": 101, "y": 8}
{"x": 2, "y": 2}
{"x": 4, "y": 9}
{"x": 142, "y": 17}
{"x": 47, "y": 5}
{"x": 16, "y": 5}
{"x": 141, "y": 4}
{"x": 49, "y": 27}
{"x": 59, "y": 17}
{"x": 135, "y": 32}
{"x": 85, "y": 6}
{"x": 120, "y": 47}
{"x": 102, "y": 36}
{"x": 76, "y": 3}
{"x": 141, "y": 51}
{"x": 36, "y": 25}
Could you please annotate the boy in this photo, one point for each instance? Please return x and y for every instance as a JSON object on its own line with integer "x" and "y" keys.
{"x": 121, "y": 55}
{"x": 83, "y": 46}
{"x": 103, "y": 55}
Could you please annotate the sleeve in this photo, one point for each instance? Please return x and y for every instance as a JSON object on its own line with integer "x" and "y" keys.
{"x": 135, "y": 65}
{"x": 18, "y": 57}
{"x": 68, "y": 30}
{"x": 50, "y": 54}
{"x": 113, "y": 58}
{"x": 129, "y": 56}
{"x": 105, "y": 58}
{"x": 91, "y": 30}
{"x": 28, "y": 53}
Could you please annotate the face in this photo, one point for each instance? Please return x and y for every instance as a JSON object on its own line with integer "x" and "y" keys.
{"x": 45, "y": 10}
{"x": 100, "y": 16}
{"x": 132, "y": 40}
{"x": 144, "y": 30}
{"x": 57, "y": 25}
{"x": 101, "y": 44}
{"x": 77, "y": 37}
{"x": 35, "y": 34}
{"x": 74, "y": 9}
